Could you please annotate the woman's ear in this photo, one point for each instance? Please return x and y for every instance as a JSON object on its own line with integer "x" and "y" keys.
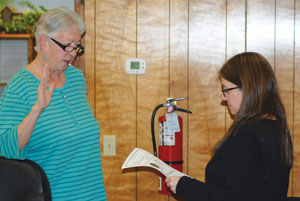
{"x": 43, "y": 40}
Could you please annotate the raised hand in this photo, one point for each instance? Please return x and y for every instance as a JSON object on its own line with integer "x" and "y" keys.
{"x": 44, "y": 94}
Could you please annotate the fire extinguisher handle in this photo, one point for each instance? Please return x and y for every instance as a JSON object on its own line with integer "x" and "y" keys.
{"x": 179, "y": 99}
{"x": 182, "y": 110}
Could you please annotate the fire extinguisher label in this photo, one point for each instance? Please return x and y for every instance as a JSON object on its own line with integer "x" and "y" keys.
{"x": 166, "y": 138}
{"x": 172, "y": 122}
{"x": 159, "y": 184}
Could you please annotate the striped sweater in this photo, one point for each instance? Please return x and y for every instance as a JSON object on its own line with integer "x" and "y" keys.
{"x": 65, "y": 140}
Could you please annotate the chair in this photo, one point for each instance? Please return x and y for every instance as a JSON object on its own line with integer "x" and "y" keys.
{"x": 23, "y": 180}
{"x": 293, "y": 199}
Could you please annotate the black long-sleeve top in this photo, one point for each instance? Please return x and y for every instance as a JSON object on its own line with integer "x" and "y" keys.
{"x": 246, "y": 168}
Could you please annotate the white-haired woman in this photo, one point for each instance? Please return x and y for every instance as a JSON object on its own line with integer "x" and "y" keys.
{"x": 45, "y": 116}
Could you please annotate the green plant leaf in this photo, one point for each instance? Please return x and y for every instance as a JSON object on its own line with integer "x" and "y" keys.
{"x": 4, "y": 3}
{"x": 25, "y": 22}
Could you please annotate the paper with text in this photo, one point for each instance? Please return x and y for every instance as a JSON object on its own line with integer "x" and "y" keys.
{"x": 141, "y": 158}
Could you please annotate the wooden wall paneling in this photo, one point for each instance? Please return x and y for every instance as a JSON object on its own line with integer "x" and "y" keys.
{"x": 235, "y": 32}
{"x": 153, "y": 86}
{"x": 79, "y": 8}
{"x": 235, "y": 27}
{"x": 116, "y": 91}
{"x": 296, "y": 137}
{"x": 284, "y": 57}
{"x": 206, "y": 55}
{"x": 260, "y": 27}
{"x": 89, "y": 63}
{"x": 179, "y": 65}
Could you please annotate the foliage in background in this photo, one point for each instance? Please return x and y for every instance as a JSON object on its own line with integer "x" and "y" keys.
{"x": 4, "y": 3}
{"x": 25, "y": 22}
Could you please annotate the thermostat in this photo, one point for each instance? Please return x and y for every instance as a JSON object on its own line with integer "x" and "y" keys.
{"x": 135, "y": 66}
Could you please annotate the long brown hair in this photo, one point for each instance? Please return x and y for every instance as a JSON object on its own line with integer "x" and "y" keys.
{"x": 253, "y": 74}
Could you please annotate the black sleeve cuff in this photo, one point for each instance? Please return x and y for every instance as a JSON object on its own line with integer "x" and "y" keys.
{"x": 192, "y": 189}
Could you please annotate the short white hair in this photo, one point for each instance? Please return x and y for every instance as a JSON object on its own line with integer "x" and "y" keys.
{"x": 55, "y": 20}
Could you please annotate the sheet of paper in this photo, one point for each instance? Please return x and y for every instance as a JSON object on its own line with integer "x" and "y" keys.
{"x": 141, "y": 158}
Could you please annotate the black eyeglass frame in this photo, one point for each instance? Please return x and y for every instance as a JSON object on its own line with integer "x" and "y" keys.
{"x": 78, "y": 49}
{"x": 225, "y": 91}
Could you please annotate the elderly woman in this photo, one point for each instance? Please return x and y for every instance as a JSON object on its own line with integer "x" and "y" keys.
{"x": 253, "y": 161}
{"x": 45, "y": 116}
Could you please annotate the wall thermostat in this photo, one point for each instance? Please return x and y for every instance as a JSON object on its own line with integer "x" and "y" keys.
{"x": 135, "y": 66}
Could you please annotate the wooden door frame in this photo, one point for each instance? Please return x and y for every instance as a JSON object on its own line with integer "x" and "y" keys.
{"x": 79, "y": 8}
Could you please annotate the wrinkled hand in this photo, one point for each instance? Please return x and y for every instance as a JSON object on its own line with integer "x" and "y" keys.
{"x": 172, "y": 183}
{"x": 44, "y": 95}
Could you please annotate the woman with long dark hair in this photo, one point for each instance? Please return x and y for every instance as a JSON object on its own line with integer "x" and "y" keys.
{"x": 252, "y": 161}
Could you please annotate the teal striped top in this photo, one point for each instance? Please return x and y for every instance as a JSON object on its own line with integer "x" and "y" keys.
{"x": 65, "y": 140}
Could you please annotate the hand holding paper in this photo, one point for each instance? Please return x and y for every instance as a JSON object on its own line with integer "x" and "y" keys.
{"x": 141, "y": 158}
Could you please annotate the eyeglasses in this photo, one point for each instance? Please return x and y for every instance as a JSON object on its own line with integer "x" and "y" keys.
{"x": 68, "y": 48}
{"x": 225, "y": 91}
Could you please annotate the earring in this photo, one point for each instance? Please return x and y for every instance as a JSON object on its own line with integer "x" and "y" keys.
{"x": 44, "y": 58}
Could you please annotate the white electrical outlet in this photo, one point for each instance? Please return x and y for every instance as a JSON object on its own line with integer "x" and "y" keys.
{"x": 109, "y": 145}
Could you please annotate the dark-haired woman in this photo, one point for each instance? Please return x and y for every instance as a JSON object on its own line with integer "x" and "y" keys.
{"x": 252, "y": 161}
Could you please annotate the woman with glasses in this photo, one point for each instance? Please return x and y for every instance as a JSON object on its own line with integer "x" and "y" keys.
{"x": 252, "y": 161}
{"x": 45, "y": 116}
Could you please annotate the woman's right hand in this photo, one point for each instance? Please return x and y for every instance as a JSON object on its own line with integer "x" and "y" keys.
{"x": 172, "y": 182}
{"x": 44, "y": 94}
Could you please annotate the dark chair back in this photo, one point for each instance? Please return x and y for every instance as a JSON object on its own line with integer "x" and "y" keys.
{"x": 23, "y": 180}
{"x": 293, "y": 199}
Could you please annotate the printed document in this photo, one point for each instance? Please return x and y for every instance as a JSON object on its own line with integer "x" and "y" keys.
{"x": 141, "y": 158}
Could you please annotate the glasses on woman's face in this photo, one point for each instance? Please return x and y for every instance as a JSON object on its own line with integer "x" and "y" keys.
{"x": 225, "y": 91}
{"x": 68, "y": 48}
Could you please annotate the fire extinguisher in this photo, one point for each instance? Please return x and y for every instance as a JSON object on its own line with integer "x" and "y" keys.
{"x": 170, "y": 138}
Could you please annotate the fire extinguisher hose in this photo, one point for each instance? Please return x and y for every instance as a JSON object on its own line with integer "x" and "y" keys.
{"x": 152, "y": 128}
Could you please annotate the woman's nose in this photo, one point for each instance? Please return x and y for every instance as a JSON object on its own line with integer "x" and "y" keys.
{"x": 74, "y": 53}
{"x": 224, "y": 98}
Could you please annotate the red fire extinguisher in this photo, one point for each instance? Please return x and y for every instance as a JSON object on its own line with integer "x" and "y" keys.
{"x": 170, "y": 138}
